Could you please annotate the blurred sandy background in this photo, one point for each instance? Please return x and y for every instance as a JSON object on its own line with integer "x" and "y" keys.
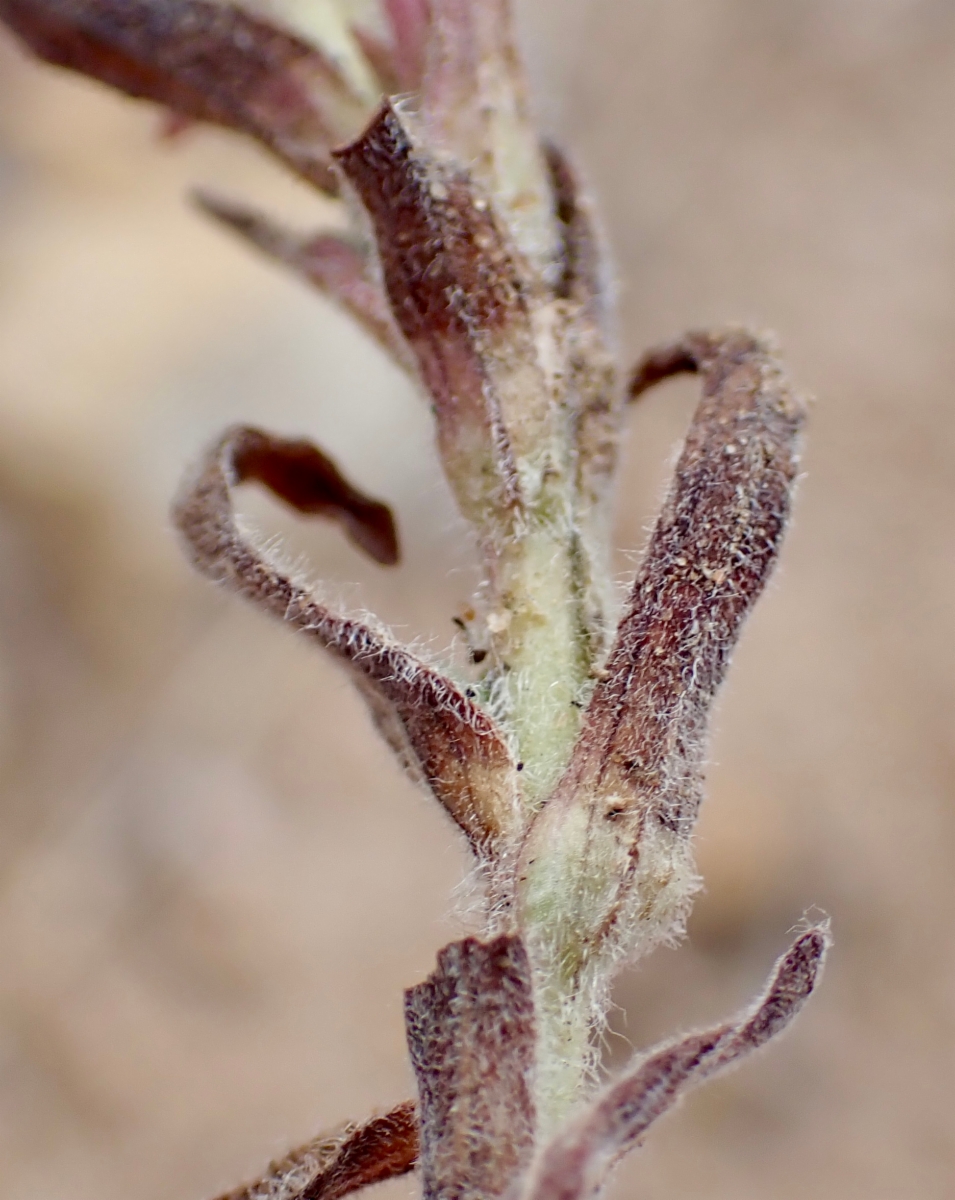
{"x": 213, "y": 882}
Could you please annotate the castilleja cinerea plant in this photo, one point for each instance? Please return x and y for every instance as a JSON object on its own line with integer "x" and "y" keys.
{"x": 570, "y": 758}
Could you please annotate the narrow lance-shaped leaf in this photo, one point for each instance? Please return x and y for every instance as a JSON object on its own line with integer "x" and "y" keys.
{"x": 207, "y": 61}
{"x": 714, "y": 545}
{"x": 336, "y": 265}
{"x": 440, "y": 735}
{"x": 575, "y": 1163}
{"x": 461, "y": 301}
{"x": 305, "y": 478}
{"x": 621, "y": 816}
{"x": 471, "y": 1035}
{"x": 335, "y": 1164}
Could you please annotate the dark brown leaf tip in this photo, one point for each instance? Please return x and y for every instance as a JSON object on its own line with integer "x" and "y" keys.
{"x": 675, "y": 358}
{"x": 343, "y": 1161}
{"x": 300, "y": 474}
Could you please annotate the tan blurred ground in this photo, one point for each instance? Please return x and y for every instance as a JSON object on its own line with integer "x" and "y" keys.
{"x": 213, "y": 882}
